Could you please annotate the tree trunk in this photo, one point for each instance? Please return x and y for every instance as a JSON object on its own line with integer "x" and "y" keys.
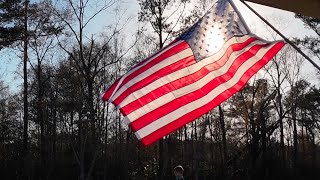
{"x": 224, "y": 140}
{"x": 106, "y": 140}
{"x": 282, "y": 148}
{"x": 25, "y": 153}
{"x": 314, "y": 153}
{"x": 295, "y": 138}
{"x": 40, "y": 119}
{"x": 54, "y": 138}
{"x": 91, "y": 110}
{"x": 196, "y": 152}
{"x": 303, "y": 139}
{"x": 263, "y": 144}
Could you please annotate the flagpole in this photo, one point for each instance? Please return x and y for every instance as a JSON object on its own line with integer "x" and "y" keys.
{"x": 240, "y": 16}
{"x": 284, "y": 37}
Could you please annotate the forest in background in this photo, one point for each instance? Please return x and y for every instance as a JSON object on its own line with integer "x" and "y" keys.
{"x": 56, "y": 127}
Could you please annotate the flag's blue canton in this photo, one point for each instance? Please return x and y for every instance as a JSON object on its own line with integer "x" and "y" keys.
{"x": 208, "y": 35}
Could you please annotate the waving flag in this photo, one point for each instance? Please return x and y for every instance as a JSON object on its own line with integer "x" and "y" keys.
{"x": 199, "y": 70}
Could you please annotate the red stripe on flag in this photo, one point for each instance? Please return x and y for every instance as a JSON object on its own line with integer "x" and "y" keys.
{"x": 152, "y": 137}
{"x": 184, "y": 81}
{"x": 188, "y": 98}
{"x": 156, "y": 75}
{"x": 170, "y": 52}
{"x": 150, "y": 57}
{"x": 109, "y": 91}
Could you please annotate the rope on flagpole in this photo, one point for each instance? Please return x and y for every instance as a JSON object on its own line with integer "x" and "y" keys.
{"x": 284, "y": 37}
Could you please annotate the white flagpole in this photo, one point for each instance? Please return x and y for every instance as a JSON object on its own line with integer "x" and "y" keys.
{"x": 240, "y": 16}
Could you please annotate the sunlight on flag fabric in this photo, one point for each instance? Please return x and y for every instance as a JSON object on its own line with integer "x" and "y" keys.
{"x": 203, "y": 67}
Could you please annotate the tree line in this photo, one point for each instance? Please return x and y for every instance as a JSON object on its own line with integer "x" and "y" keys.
{"x": 56, "y": 127}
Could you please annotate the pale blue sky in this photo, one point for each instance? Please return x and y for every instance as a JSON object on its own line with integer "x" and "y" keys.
{"x": 283, "y": 20}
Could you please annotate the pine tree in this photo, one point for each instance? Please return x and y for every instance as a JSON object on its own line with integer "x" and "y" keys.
{"x": 11, "y": 26}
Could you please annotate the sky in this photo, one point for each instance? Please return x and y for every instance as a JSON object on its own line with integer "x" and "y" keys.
{"x": 282, "y": 20}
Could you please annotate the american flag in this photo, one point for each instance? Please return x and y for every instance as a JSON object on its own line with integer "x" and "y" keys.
{"x": 202, "y": 68}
